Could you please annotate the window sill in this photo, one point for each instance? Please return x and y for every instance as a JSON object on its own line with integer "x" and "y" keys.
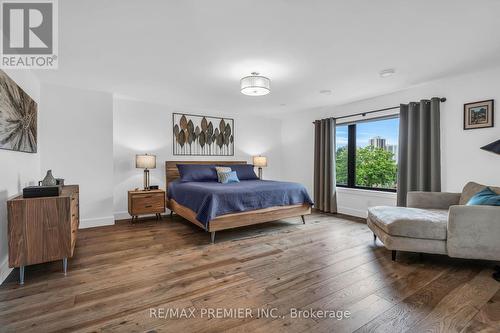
{"x": 364, "y": 192}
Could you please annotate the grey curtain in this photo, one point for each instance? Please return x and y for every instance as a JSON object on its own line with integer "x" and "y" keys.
{"x": 325, "y": 198}
{"x": 419, "y": 162}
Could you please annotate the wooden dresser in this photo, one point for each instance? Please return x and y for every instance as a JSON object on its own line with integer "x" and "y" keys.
{"x": 43, "y": 229}
{"x": 146, "y": 202}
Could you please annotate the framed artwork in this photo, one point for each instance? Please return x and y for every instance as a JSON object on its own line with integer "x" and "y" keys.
{"x": 18, "y": 117}
{"x": 479, "y": 114}
{"x": 196, "y": 135}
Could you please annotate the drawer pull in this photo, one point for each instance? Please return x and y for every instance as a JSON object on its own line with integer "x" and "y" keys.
{"x": 149, "y": 206}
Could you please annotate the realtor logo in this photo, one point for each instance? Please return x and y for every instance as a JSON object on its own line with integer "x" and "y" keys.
{"x": 29, "y": 34}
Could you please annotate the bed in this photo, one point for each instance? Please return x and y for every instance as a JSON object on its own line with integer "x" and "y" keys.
{"x": 213, "y": 206}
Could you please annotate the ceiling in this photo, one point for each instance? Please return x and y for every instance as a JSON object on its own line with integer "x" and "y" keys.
{"x": 191, "y": 54}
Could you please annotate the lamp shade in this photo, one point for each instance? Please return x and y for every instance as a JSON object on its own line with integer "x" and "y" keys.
{"x": 145, "y": 161}
{"x": 255, "y": 85}
{"x": 493, "y": 147}
{"x": 260, "y": 161}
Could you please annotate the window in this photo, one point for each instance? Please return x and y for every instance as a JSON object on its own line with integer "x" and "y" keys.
{"x": 366, "y": 154}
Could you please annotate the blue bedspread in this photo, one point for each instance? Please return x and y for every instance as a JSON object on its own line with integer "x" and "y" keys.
{"x": 212, "y": 199}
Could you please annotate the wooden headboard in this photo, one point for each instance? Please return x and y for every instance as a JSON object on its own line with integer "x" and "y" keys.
{"x": 172, "y": 173}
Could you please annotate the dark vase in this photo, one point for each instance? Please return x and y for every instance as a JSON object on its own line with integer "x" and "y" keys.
{"x": 49, "y": 180}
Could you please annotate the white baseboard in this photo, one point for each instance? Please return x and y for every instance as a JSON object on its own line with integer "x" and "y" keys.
{"x": 96, "y": 222}
{"x": 5, "y": 269}
{"x": 121, "y": 215}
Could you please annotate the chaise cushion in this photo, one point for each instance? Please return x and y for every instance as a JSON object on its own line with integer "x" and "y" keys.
{"x": 410, "y": 222}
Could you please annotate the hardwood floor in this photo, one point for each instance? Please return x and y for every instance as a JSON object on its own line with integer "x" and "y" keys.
{"x": 121, "y": 273}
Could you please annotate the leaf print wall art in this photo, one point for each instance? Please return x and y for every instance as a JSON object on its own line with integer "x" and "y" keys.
{"x": 18, "y": 117}
{"x": 202, "y": 135}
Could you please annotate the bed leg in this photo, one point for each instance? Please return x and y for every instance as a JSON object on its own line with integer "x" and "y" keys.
{"x": 303, "y": 219}
{"x": 212, "y": 236}
{"x": 393, "y": 255}
{"x": 374, "y": 237}
{"x": 171, "y": 214}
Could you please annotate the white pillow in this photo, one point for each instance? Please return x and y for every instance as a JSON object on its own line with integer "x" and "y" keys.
{"x": 221, "y": 170}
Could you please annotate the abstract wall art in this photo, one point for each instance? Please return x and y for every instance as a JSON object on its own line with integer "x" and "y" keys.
{"x": 202, "y": 135}
{"x": 18, "y": 117}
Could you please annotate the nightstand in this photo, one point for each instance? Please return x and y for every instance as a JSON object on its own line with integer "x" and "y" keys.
{"x": 146, "y": 202}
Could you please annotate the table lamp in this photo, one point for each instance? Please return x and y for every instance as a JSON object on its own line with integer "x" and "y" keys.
{"x": 145, "y": 162}
{"x": 260, "y": 162}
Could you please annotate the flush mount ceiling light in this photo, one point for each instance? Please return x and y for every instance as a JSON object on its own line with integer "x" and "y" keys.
{"x": 255, "y": 85}
{"x": 387, "y": 72}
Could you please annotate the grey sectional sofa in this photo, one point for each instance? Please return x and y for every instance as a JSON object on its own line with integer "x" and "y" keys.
{"x": 439, "y": 222}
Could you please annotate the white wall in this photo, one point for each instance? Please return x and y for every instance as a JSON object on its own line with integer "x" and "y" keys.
{"x": 76, "y": 142}
{"x": 17, "y": 169}
{"x": 141, "y": 127}
{"x": 461, "y": 158}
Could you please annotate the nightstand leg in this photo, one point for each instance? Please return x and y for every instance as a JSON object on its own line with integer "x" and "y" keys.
{"x": 65, "y": 265}
{"x": 21, "y": 275}
{"x": 212, "y": 237}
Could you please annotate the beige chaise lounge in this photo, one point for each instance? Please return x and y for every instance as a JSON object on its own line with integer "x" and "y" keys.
{"x": 439, "y": 222}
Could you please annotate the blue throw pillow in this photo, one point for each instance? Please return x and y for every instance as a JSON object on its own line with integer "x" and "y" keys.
{"x": 484, "y": 197}
{"x": 228, "y": 177}
{"x": 197, "y": 172}
{"x": 244, "y": 171}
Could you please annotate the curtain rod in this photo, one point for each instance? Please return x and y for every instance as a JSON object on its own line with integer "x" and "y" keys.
{"x": 441, "y": 99}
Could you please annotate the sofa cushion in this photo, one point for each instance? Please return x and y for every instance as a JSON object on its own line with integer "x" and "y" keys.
{"x": 410, "y": 222}
{"x": 472, "y": 188}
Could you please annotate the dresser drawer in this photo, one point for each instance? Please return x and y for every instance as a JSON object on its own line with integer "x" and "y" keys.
{"x": 75, "y": 219}
{"x": 73, "y": 241}
{"x": 75, "y": 213}
{"x": 74, "y": 222}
